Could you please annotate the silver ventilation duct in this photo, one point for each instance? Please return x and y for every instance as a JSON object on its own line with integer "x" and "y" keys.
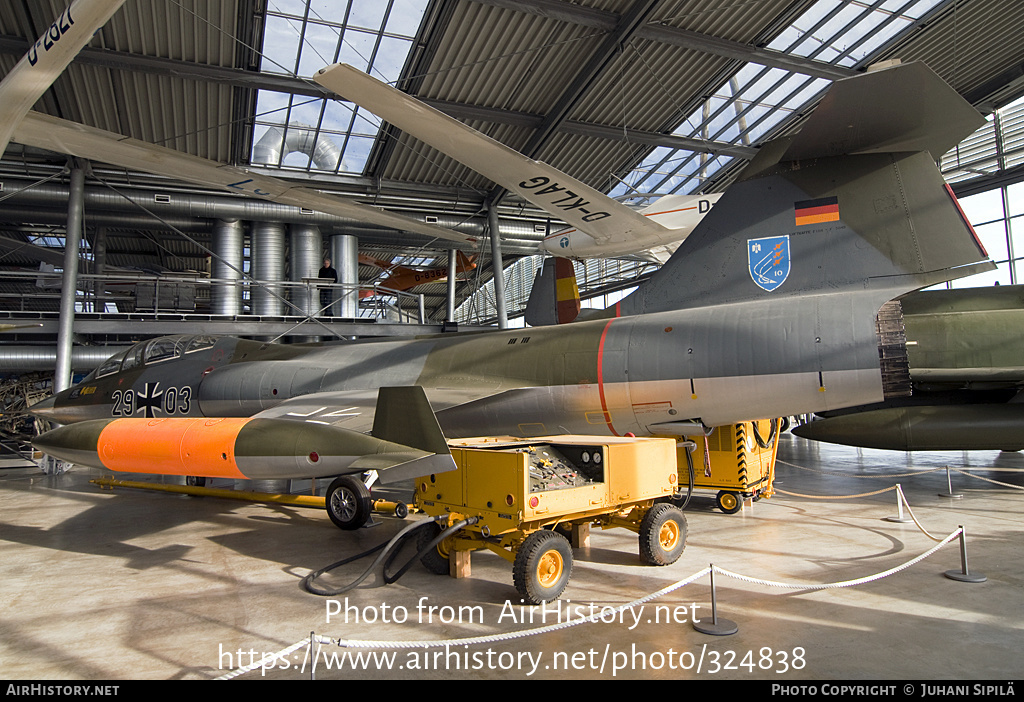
{"x": 228, "y": 238}
{"x": 267, "y": 256}
{"x": 345, "y": 252}
{"x": 23, "y": 359}
{"x": 307, "y": 247}
{"x": 277, "y": 143}
{"x": 103, "y": 206}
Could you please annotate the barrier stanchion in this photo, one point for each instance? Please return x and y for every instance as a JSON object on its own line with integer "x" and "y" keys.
{"x": 718, "y": 626}
{"x": 949, "y": 484}
{"x": 964, "y": 575}
{"x": 312, "y": 643}
{"x": 899, "y": 518}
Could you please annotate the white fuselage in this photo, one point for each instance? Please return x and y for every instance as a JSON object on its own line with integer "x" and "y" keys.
{"x": 678, "y": 214}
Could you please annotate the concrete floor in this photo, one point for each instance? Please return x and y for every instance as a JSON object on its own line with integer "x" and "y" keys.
{"x": 100, "y": 585}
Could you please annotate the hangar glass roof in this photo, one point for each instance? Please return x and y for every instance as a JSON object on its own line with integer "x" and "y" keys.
{"x": 756, "y": 99}
{"x": 997, "y": 146}
{"x": 303, "y": 36}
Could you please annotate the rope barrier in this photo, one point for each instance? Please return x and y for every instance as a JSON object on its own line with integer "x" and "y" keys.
{"x": 511, "y": 636}
{"x": 901, "y": 496}
{"x": 854, "y": 475}
{"x": 987, "y": 480}
{"x": 842, "y": 583}
{"x": 835, "y": 497}
{"x": 266, "y": 659}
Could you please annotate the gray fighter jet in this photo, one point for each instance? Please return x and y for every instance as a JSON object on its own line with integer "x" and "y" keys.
{"x": 965, "y": 364}
{"x": 771, "y": 307}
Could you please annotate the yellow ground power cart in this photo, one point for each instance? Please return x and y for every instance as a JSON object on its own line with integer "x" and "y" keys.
{"x": 738, "y": 460}
{"x": 532, "y": 497}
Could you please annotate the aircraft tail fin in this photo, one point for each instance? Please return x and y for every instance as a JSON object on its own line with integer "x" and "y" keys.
{"x": 854, "y": 217}
{"x": 404, "y": 416}
{"x": 905, "y": 107}
{"x": 555, "y": 297}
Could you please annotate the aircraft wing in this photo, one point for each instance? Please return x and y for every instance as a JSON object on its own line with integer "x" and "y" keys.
{"x": 55, "y": 134}
{"x": 355, "y": 409}
{"x": 47, "y": 59}
{"x": 564, "y": 197}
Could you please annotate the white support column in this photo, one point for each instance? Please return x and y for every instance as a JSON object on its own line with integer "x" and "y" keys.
{"x": 498, "y": 267}
{"x": 345, "y": 252}
{"x": 452, "y": 271}
{"x": 69, "y": 282}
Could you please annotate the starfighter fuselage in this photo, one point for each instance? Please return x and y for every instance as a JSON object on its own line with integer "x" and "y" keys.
{"x": 778, "y": 303}
{"x": 609, "y": 376}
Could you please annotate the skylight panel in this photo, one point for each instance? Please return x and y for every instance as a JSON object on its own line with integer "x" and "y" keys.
{"x": 301, "y": 38}
{"x": 847, "y": 32}
{"x": 280, "y": 45}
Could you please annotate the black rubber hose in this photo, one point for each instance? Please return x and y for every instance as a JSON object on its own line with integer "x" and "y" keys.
{"x": 774, "y": 424}
{"x": 307, "y": 582}
{"x": 388, "y": 579}
{"x": 689, "y": 493}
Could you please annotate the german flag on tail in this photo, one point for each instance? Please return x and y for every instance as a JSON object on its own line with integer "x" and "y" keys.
{"x": 825, "y": 209}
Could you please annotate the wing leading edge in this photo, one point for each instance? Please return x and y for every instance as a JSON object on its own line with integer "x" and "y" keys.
{"x": 55, "y": 134}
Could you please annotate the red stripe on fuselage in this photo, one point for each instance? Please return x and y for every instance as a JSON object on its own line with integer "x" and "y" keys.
{"x": 600, "y": 379}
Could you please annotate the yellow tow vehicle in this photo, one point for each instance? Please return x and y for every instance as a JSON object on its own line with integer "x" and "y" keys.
{"x": 530, "y": 497}
{"x": 737, "y": 460}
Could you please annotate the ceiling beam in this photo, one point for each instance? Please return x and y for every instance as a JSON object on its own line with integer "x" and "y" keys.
{"x": 654, "y": 31}
{"x": 626, "y": 26}
{"x": 124, "y": 61}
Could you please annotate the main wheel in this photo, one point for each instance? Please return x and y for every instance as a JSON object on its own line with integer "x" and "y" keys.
{"x": 662, "y": 534}
{"x": 348, "y": 502}
{"x": 542, "y": 567}
{"x": 728, "y": 502}
{"x": 436, "y": 559}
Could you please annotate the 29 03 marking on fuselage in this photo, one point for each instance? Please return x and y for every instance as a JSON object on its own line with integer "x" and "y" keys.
{"x": 173, "y": 400}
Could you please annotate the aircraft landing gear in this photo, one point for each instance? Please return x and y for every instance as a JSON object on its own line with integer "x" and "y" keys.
{"x": 348, "y": 502}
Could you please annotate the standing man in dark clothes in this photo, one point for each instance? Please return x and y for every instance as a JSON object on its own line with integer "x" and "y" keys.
{"x": 326, "y": 292}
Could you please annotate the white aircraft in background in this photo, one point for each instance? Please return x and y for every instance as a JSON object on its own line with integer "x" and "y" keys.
{"x": 679, "y": 214}
{"x": 51, "y": 54}
{"x": 599, "y": 226}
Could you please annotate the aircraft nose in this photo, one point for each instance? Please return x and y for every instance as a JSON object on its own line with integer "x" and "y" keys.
{"x": 45, "y": 408}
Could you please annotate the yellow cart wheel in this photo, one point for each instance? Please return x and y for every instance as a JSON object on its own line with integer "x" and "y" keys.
{"x": 662, "y": 534}
{"x": 542, "y": 567}
{"x": 728, "y": 502}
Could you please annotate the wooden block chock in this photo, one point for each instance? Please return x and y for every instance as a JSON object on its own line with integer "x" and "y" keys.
{"x": 459, "y": 564}
{"x": 580, "y": 536}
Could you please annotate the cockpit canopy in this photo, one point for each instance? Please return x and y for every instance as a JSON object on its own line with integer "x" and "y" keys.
{"x": 152, "y": 351}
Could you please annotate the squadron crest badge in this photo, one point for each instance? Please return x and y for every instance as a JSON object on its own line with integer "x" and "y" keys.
{"x": 768, "y": 261}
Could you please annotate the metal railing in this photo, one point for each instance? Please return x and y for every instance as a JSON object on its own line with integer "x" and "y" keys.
{"x": 39, "y": 291}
